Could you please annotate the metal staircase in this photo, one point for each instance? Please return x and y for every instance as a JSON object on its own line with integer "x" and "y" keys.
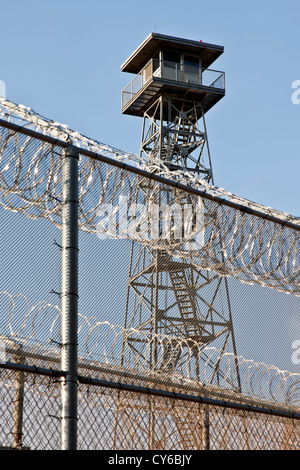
{"x": 186, "y": 303}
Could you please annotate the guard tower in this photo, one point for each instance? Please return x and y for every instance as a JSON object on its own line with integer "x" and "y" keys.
{"x": 172, "y": 90}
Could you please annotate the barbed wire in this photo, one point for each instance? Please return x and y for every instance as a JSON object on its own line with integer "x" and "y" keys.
{"x": 26, "y": 117}
{"x": 232, "y": 242}
{"x": 100, "y": 343}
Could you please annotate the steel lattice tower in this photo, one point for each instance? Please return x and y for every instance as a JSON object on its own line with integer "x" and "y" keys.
{"x": 172, "y": 91}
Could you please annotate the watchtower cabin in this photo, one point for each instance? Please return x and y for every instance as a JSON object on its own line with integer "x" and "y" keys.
{"x": 172, "y": 89}
{"x": 178, "y": 67}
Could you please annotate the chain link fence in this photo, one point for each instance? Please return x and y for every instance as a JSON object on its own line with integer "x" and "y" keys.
{"x": 138, "y": 419}
{"x": 162, "y": 313}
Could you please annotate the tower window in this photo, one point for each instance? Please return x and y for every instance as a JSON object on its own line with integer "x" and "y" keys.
{"x": 172, "y": 57}
{"x": 191, "y": 61}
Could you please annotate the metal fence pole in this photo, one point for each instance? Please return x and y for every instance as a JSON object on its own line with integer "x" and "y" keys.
{"x": 69, "y": 299}
{"x": 19, "y": 401}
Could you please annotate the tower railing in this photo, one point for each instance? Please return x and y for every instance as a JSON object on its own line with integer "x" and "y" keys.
{"x": 172, "y": 71}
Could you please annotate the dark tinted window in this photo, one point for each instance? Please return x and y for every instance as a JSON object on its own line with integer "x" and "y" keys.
{"x": 191, "y": 60}
{"x": 171, "y": 56}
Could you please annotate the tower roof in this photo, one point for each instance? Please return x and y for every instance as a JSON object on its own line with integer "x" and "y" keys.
{"x": 155, "y": 41}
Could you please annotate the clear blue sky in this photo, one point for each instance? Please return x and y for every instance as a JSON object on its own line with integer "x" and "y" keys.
{"x": 63, "y": 58}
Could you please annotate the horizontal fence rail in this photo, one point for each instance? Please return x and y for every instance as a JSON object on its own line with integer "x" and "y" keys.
{"x": 87, "y": 380}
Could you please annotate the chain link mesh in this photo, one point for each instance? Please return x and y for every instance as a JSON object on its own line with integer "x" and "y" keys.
{"x": 121, "y": 420}
{"x": 190, "y": 346}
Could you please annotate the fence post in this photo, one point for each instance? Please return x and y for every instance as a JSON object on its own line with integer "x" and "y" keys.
{"x": 69, "y": 299}
{"x": 19, "y": 401}
{"x": 205, "y": 428}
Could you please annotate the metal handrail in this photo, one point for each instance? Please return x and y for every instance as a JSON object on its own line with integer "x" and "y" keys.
{"x": 174, "y": 72}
